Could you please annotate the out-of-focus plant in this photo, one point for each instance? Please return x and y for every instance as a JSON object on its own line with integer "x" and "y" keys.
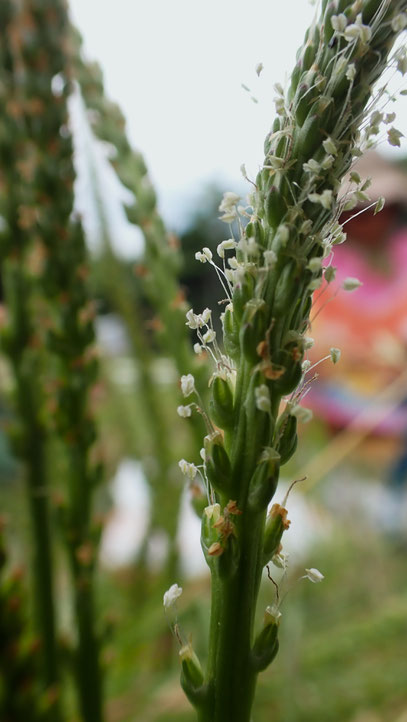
{"x": 160, "y": 264}
{"x": 44, "y": 250}
{"x": 21, "y": 693}
{"x": 156, "y": 277}
{"x": 70, "y": 333}
{"x": 19, "y": 338}
{"x": 269, "y": 270}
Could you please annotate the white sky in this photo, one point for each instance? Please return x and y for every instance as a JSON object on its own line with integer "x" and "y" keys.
{"x": 176, "y": 68}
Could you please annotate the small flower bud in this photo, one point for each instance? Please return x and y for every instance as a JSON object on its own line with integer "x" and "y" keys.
{"x": 193, "y": 320}
{"x": 339, "y": 22}
{"x": 314, "y": 575}
{"x": 329, "y": 274}
{"x": 228, "y": 245}
{"x": 312, "y": 166}
{"x": 357, "y": 31}
{"x": 189, "y": 470}
{"x": 327, "y": 162}
{"x": 259, "y": 68}
{"x": 350, "y": 284}
{"x": 315, "y": 284}
{"x": 393, "y": 136}
{"x": 276, "y": 524}
{"x": 314, "y": 265}
{"x": 280, "y": 560}
{"x": 184, "y": 411}
{"x": 282, "y": 234}
{"x": 221, "y": 403}
{"x": 325, "y": 198}
{"x": 262, "y": 396}
{"x": 355, "y": 177}
{"x": 302, "y": 414}
{"x": 335, "y": 354}
{"x": 204, "y": 255}
{"x": 306, "y": 227}
{"x": 402, "y": 63}
{"x": 217, "y": 462}
{"x": 229, "y": 217}
{"x": 270, "y": 258}
{"x": 229, "y": 200}
{"x": 209, "y": 336}
{"x": 272, "y": 615}
{"x": 187, "y": 385}
{"x": 286, "y": 434}
{"x": 399, "y": 22}
{"x": 264, "y": 481}
{"x": 206, "y": 315}
{"x": 330, "y": 147}
{"x": 191, "y": 675}
{"x": 253, "y": 328}
{"x": 379, "y": 205}
{"x": 308, "y": 342}
{"x": 171, "y": 595}
{"x": 265, "y": 646}
{"x": 212, "y": 512}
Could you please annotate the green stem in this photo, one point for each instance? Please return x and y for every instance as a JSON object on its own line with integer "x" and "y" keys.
{"x": 88, "y": 672}
{"x": 34, "y": 440}
{"x": 42, "y": 557}
{"x": 88, "y": 669}
{"x": 231, "y": 679}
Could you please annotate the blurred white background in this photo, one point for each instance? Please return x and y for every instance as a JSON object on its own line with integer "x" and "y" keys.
{"x": 176, "y": 69}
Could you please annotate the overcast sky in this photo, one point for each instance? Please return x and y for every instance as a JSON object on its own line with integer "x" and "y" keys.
{"x": 176, "y": 69}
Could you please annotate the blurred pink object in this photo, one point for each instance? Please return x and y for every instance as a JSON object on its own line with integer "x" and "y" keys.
{"x": 369, "y": 325}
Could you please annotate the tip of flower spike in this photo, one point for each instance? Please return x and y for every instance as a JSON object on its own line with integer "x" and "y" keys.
{"x": 171, "y": 595}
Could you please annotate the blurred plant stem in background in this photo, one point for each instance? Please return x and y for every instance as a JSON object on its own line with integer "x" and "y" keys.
{"x": 19, "y": 335}
{"x": 155, "y": 276}
{"x": 55, "y": 262}
{"x": 70, "y": 333}
{"x": 21, "y": 696}
{"x": 271, "y": 264}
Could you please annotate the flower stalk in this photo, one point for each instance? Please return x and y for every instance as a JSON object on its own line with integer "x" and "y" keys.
{"x": 324, "y": 120}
